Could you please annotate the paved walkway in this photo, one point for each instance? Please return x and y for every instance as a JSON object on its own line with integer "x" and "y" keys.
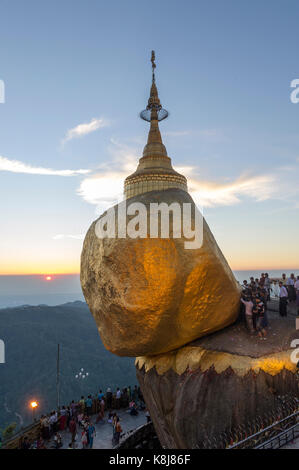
{"x": 103, "y": 438}
{"x": 292, "y": 445}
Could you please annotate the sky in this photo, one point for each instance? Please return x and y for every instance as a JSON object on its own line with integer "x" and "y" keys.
{"x": 76, "y": 76}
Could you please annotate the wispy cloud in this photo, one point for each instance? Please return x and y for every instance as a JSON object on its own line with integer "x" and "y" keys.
{"x": 63, "y": 236}
{"x": 85, "y": 128}
{"x": 104, "y": 188}
{"x": 215, "y": 193}
{"x": 15, "y": 166}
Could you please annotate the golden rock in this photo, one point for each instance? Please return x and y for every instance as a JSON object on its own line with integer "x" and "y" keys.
{"x": 152, "y": 295}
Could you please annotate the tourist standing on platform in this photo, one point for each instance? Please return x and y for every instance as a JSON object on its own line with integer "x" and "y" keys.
{"x": 101, "y": 413}
{"x": 259, "y": 310}
{"x": 53, "y": 422}
{"x": 63, "y": 418}
{"x": 45, "y": 427}
{"x": 262, "y": 280}
{"x": 91, "y": 432}
{"x": 267, "y": 285}
{"x": 118, "y": 431}
{"x": 296, "y": 285}
{"x": 109, "y": 398}
{"x": 284, "y": 279}
{"x": 263, "y": 295}
{"x": 73, "y": 407}
{"x": 248, "y": 312}
{"x": 82, "y": 404}
{"x": 290, "y": 284}
{"x": 118, "y": 397}
{"x": 57, "y": 440}
{"x": 114, "y": 421}
{"x": 283, "y": 299}
{"x": 84, "y": 440}
{"x": 88, "y": 405}
{"x": 135, "y": 393}
{"x": 73, "y": 429}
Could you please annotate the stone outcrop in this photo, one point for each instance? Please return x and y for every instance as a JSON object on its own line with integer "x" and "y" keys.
{"x": 219, "y": 383}
{"x": 152, "y": 295}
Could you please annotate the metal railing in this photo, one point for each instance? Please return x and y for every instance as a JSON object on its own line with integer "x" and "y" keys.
{"x": 269, "y": 433}
{"x": 249, "y": 435}
{"x": 281, "y": 439}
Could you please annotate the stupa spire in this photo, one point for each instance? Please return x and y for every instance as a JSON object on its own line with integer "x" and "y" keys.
{"x": 153, "y": 114}
{"x": 154, "y": 171}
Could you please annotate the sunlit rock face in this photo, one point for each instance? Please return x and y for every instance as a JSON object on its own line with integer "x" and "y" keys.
{"x": 152, "y": 295}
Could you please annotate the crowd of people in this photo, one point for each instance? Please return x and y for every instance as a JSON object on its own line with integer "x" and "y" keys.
{"x": 80, "y": 419}
{"x": 257, "y": 292}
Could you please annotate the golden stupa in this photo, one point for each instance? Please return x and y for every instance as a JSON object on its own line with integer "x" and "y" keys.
{"x": 154, "y": 172}
{"x": 151, "y": 295}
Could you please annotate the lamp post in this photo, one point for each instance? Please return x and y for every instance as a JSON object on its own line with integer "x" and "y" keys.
{"x": 81, "y": 377}
{"x": 33, "y": 405}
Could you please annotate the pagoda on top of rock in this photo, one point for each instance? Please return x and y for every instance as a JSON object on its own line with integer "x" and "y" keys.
{"x": 154, "y": 172}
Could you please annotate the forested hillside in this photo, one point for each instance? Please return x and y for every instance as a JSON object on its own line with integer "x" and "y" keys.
{"x": 31, "y": 335}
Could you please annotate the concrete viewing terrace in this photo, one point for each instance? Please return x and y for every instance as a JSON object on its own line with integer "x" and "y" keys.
{"x": 103, "y": 437}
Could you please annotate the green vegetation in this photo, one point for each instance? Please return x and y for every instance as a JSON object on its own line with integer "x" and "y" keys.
{"x": 8, "y": 431}
{"x": 31, "y": 335}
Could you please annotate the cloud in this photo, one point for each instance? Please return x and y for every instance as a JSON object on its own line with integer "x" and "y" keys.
{"x": 84, "y": 129}
{"x": 212, "y": 193}
{"x": 63, "y": 237}
{"x": 15, "y": 166}
{"x": 105, "y": 187}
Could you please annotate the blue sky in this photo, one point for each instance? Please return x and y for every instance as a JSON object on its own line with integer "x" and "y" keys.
{"x": 224, "y": 70}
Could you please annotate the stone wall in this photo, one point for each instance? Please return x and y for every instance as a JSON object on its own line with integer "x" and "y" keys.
{"x": 32, "y": 432}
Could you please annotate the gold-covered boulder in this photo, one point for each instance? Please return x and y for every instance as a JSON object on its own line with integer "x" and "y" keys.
{"x": 152, "y": 295}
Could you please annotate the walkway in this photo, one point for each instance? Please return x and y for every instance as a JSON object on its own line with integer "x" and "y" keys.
{"x": 103, "y": 438}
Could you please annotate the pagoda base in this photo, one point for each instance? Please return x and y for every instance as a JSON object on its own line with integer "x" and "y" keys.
{"x": 221, "y": 388}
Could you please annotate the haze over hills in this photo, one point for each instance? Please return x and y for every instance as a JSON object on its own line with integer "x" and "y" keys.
{"x": 18, "y": 290}
{"x": 31, "y": 335}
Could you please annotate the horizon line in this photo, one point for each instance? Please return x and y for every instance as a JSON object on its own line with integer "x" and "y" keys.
{"x": 78, "y": 273}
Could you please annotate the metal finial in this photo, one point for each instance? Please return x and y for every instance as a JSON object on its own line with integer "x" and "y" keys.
{"x": 154, "y": 109}
{"x": 153, "y": 58}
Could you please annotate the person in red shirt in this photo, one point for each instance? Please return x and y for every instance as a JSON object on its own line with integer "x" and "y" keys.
{"x": 73, "y": 429}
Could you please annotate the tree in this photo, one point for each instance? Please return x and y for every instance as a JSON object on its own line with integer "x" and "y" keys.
{"x": 8, "y": 431}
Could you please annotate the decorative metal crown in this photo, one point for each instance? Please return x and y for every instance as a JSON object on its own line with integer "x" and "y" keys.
{"x": 154, "y": 108}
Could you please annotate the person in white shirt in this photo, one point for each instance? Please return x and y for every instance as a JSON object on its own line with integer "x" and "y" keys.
{"x": 291, "y": 289}
{"x": 267, "y": 285}
{"x": 118, "y": 396}
{"x": 283, "y": 300}
{"x": 248, "y": 312}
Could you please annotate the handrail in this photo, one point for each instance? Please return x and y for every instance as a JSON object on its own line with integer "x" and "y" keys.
{"x": 278, "y": 438}
{"x": 266, "y": 429}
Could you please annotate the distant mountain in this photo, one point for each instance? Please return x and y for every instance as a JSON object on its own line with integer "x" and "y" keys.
{"x": 31, "y": 335}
